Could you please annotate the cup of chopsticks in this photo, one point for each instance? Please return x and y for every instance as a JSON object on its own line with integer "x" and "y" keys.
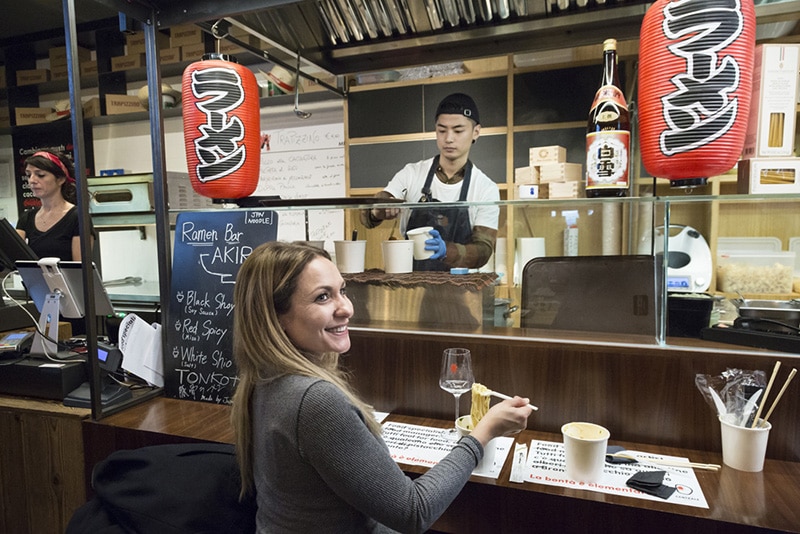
{"x": 744, "y": 447}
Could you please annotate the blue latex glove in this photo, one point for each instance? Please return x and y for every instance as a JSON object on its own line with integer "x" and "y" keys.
{"x": 437, "y": 244}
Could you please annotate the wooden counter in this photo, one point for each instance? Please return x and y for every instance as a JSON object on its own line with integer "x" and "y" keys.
{"x": 738, "y": 501}
{"x": 643, "y": 393}
{"x": 41, "y": 466}
{"x": 640, "y": 391}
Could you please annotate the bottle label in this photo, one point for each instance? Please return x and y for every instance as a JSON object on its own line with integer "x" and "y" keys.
{"x": 608, "y": 93}
{"x": 607, "y": 159}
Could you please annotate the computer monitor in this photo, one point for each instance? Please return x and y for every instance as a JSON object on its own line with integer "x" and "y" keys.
{"x": 12, "y": 246}
{"x": 56, "y": 288}
{"x": 42, "y": 277}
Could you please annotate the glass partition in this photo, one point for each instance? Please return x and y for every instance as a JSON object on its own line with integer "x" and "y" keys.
{"x": 651, "y": 269}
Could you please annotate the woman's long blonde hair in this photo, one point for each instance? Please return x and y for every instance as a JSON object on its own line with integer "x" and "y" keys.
{"x": 262, "y": 350}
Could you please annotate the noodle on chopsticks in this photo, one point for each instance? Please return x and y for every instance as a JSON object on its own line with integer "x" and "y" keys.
{"x": 480, "y": 403}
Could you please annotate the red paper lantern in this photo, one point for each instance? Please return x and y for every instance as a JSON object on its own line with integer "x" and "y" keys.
{"x": 695, "y": 79}
{"x": 221, "y": 127}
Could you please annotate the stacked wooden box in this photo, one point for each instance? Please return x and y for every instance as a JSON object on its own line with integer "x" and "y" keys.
{"x": 548, "y": 175}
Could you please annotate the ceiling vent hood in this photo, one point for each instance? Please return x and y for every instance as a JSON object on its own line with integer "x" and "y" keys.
{"x": 353, "y": 36}
{"x": 350, "y": 36}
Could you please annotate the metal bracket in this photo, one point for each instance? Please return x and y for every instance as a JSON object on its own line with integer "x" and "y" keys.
{"x": 216, "y": 30}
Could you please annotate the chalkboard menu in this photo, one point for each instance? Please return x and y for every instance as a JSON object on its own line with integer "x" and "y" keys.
{"x": 209, "y": 249}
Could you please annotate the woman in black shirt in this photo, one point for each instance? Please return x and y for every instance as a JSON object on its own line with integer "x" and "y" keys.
{"x": 52, "y": 229}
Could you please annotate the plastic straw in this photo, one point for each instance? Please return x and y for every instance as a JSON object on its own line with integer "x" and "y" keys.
{"x": 766, "y": 393}
{"x": 780, "y": 393}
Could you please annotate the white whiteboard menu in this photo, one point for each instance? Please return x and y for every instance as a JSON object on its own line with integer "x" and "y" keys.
{"x": 305, "y": 162}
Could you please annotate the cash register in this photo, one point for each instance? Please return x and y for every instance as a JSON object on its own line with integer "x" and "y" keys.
{"x": 56, "y": 288}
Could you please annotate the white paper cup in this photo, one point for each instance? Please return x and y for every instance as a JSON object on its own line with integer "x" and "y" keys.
{"x": 350, "y": 256}
{"x": 743, "y": 448}
{"x": 419, "y": 236}
{"x": 398, "y": 256}
{"x": 464, "y": 426}
{"x": 528, "y": 248}
{"x": 585, "y": 450}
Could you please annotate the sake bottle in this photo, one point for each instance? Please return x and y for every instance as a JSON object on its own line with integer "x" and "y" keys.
{"x": 608, "y": 133}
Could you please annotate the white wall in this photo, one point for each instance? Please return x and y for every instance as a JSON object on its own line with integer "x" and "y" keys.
{"x": 8, "y": 190}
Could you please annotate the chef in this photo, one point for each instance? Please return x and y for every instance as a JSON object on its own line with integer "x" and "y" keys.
{"x": 462, "y": 236}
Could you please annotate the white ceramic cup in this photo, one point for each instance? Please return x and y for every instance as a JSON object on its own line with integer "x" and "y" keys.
{"x": 464, "y": 426}
{"x": 743, "y": 448}
{"x": 585, "y": 450}
{"x": 419, "y": 236}
{"x": 398, "y": 256}
{"x": 350, "y": 256}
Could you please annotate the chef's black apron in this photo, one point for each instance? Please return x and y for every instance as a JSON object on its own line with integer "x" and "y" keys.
{"x": 452, "y": 223}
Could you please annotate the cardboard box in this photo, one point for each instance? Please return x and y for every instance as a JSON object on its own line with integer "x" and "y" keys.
{"x": 486, "y": 64}
{"x": 2, "y": 76}
{"x": 120, "y": 104}
{"x": 88, "y": 68}
{"x": 5, "y": 117}
{"x": 91, "y": 108}
{"x": 237, "y": 31}
{"x": 227, "y": 47}
{"x": 134, "y": 42}
{"x": 169, "y": 55}
{"x": 560, "y": 172}
{"x": 32, "y": 76}
{"x": 526, "y": 175}
{"x": 59, "y": 72}
{"x": 25, "y": 116}
{"x": 770, "y": 129}
{"x": 193, "y": 52}
{"x": 58, "y": 55}
{"x": 185, "y": 34}
{"x": 132, "y": 61}
{"x": 547, "y": 154}
{"x": 769, "y": 176}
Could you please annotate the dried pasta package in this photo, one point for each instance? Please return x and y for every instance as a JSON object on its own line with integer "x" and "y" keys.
{"x": 480, "y": 403}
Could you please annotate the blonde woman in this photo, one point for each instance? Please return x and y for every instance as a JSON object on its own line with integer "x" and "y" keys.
{"x": 306, "y": 444}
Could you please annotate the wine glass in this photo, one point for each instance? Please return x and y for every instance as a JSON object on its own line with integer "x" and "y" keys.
{"x": 456, "y": 376}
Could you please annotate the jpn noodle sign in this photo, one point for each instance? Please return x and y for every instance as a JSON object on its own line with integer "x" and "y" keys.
{"x": 209, "y": 249}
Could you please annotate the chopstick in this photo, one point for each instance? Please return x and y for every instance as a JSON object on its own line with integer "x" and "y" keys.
{"x": 672, "y": 463}
{"x": 680, "y": 463}
{"x": 506, "y": 397}
{"x": 780, "y": 393}
{"x": 766, "y": 393}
